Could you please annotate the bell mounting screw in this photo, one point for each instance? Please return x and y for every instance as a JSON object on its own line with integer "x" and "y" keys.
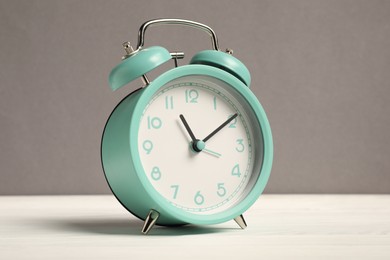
{"x": 128, "y": 48}
{"x": 229, "y": 51}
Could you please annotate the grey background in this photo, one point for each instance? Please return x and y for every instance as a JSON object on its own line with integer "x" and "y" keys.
{"x": 321, "y": 69}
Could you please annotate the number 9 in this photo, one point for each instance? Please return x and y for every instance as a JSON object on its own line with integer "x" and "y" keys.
{"x": 148, "y": 146}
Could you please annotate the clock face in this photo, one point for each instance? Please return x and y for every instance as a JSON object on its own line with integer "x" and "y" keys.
{"x": 200, "y": 144}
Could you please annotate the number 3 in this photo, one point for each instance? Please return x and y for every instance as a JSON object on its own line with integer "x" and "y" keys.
{"x": 240, "y": 145}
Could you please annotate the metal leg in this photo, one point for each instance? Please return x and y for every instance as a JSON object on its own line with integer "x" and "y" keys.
{"x": 150, "y": 221}
{"x": 241, "y": 221}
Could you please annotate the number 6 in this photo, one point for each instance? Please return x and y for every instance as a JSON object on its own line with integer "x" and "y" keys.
{"x": 198, "y": 199}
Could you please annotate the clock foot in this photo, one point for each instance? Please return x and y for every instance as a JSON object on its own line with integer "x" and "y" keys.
{"x": 150, "y": 221}
{"x": 241, "y": 221}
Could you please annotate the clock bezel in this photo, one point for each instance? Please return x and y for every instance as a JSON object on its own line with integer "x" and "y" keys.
{"x": 161, "y": 204}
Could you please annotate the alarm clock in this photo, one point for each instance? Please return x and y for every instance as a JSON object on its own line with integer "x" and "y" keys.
{"x": 191, "y": 146}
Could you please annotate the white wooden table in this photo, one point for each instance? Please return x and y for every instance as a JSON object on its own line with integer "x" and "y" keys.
{"x": 279, "y": 227}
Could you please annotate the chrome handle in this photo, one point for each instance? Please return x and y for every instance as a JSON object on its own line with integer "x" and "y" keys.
{"x": 203, "y": 27}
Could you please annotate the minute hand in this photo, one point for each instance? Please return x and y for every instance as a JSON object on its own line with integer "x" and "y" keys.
{"x": 220, "y": 127}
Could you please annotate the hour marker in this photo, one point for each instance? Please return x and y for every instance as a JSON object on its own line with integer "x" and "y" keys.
{"x": 198, "y": 199}
{"x": 169, "y": 102}
{"x": 221, "y": 189}
{"x": 191, "y": 96}
{"x": 175, "y": 190}
{"x": 154, "y": 122}
{"x": 155, "y": 174}
{"x": 148, "y": 146}
{"x": 240, "y": 145}
{"x": 236, "y": 170}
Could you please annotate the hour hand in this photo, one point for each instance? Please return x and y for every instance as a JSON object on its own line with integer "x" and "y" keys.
{"x": 196, "y": 144}
{"x": 184, "y": 121}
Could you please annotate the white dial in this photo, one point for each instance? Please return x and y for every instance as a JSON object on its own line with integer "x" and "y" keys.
{"x": 196, "y": 144}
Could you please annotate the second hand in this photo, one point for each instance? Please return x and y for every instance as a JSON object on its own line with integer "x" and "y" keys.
{"x": 212, "y": 152}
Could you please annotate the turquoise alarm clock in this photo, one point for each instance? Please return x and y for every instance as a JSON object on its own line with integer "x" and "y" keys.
{"x": 193, "y": 145}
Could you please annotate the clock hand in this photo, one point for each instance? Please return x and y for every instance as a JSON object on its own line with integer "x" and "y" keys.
{"x": 197, "y": 145}
{"x": 220, "y": 127}
{"x": 184, "y": 121}
{"x": 212, "y": 152}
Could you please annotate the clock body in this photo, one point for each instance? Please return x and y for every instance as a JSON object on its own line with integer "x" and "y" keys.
{"x": 150, "y": 161}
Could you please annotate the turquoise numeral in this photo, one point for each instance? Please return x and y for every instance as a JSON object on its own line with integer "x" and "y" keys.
{"x": 155, "y": 174}
{"x": 169, "y": 102}
{"x": 240, "y": 145}
{"x": 198, "y": 199}
{"x": 175, "y": 190}
{"x": 148, "y": 146}
{"x": 221, "y": 189}
{"x": 233, "y": 123}
{"x": 236, "y": 170}
{"x": 154, "y": 122}
{"x": 191, "y": 96}
{"x": 215, "y": 103}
